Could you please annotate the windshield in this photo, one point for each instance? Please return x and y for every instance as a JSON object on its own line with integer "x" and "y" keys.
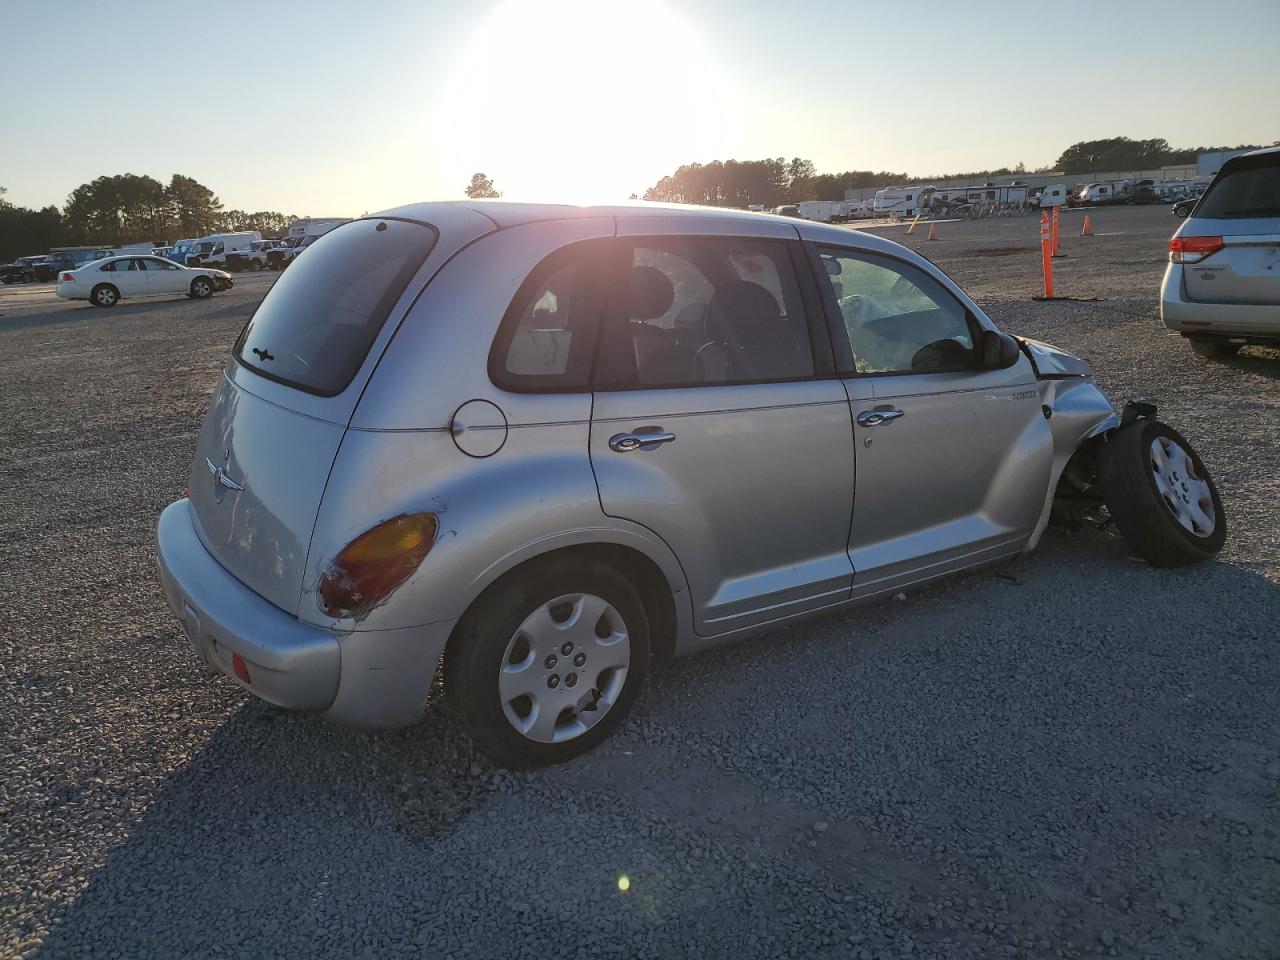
{"x": 316, "y": 324}
{"x": 1246, "y": 187}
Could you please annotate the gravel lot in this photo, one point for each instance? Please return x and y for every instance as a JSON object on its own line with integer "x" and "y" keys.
{"x": 1077, "y": 756}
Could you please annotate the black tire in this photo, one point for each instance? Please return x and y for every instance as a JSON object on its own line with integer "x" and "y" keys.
{"x": 202, "y": 288}
{"x": 480, "y": 643}
{"x": 1127, "y": 472}
{"x": 1214, "y": 349}
{"x": 104, "y": 295}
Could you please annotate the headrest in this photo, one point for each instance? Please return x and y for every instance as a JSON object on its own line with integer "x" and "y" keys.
{"x": 746, "y": 308}
{"x": 651, "y": 294}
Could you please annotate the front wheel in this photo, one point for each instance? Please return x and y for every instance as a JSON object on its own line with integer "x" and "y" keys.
{"x": 546, "y": 664}
{"x": 202, "y": 288}
{"x": 1160, "y": 495}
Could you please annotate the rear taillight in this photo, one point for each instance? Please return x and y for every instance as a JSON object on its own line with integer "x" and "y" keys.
{"x": 66, "y": 278}
{"x": 1193, "y": 249}
{"x": 372, "y": 565}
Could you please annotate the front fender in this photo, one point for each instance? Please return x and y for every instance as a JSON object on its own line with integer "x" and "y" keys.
{"x": 1079, "y": 411}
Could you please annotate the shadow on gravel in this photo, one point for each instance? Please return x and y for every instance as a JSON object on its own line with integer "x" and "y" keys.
{"x": 280, "y": 826}
{"x": 1262, "y": 361}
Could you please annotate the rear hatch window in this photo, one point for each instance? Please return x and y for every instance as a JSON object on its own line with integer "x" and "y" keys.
{"x": 1247, "y": 187}
{"x": 315, "y": 326}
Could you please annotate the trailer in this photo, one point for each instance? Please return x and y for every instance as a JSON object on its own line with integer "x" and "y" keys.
{"x": 1106, "y": 191}
{"x": 902, "y": 201}
{"x": 823, "y": 211}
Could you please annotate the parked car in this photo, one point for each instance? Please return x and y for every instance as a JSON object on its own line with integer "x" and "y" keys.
{"x": 62, "y": 259}
{"x": 546, "y": 443}
{"x": 1183, "y": 207}
{"x": 22, "y": 270}
{"x": 104, "y": 283}
{"x": 255, "y": 258}
{"x": 1221, "y": 289}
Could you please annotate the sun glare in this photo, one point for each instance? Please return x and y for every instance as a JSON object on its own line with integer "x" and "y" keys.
{"x": 581, "y": 101}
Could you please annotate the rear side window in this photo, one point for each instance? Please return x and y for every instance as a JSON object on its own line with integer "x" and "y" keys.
{"x": 1246, "y": 187}
{"x": 315, "y": 326}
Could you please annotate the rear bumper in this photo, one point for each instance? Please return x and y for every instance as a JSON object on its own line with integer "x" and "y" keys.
{"x": 368, "y": 679}
{"x": 1188, "y": 317}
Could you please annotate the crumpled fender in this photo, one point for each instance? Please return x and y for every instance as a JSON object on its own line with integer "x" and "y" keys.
{"x": 1078, "y": 411}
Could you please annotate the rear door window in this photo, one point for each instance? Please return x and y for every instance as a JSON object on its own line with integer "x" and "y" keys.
{"x": 315, "y": 326}
{"x": 1247, "y": 187}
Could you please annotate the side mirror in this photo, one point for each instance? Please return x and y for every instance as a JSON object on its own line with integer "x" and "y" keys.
{"x": 998, "y": 351}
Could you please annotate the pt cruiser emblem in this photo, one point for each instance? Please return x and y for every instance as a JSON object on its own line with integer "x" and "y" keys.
{"x": 220, "y": 478}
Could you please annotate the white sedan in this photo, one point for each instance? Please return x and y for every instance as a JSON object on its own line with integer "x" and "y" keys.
{"x": 104, "y": 282}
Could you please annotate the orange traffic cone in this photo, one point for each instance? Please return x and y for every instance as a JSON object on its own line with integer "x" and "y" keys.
{"x": 1086, "y": 230}
{"x": 933, "y": 231}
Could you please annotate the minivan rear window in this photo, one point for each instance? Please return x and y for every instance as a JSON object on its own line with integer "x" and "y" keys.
{"x": 315, "y": 326}
{"x": 1247, "y": 187}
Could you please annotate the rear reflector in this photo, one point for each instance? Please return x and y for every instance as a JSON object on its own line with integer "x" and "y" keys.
{"x": 240, "y": 668}
{"x": 1193, "y": 249}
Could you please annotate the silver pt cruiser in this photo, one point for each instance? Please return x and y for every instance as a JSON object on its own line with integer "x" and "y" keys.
{"x": 536, "y": 446}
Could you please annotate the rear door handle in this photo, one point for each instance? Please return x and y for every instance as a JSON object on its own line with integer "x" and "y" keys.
{"x": 873, "y": 418}
{"x": 626, "y": 442}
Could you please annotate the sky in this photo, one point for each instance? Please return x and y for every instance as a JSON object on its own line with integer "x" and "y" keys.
{"x": 321, "y": 108}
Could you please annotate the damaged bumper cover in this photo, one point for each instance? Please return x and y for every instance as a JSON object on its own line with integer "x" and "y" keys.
{"x": 376, "y": 679}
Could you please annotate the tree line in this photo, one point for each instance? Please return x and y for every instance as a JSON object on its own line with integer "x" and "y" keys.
{"x": 125, "y": 208}
{"x": 775, "y": 181}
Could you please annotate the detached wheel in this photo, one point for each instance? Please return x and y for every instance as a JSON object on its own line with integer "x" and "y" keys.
{"x": 545, "y": 665}
{"x": 202, "y": 288}
{"x": 1160, "y": 495}
{"x": 1214, "y": 349}
{"x": 104, "y": 295}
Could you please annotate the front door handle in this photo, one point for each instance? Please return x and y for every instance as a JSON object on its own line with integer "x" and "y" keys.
{"x": 626, "y": 442}
{"x": 873, "y": 418}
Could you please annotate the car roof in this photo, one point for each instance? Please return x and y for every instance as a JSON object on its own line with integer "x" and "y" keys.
{"x": 511, "y": 213}
{"x": 508, "y": 213}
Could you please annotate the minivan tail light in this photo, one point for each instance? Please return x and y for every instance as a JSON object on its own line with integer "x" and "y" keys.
{"x": 1193, "y": 249}
{"x": 375, "y": 563}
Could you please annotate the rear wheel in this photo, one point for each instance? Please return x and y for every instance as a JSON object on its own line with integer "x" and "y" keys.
{"x": 547, "y": 663}
{"x": 202, "y": 288}
{"x": 104, "y": 295}
{"x": 1214, "y": 349}
{"x": 1160, "y": 495}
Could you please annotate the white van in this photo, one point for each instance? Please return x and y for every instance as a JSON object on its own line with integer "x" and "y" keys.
{"x": 211, "y": 251}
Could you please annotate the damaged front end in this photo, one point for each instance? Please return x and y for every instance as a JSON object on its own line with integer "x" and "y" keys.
{"x": 1080, "y": 416}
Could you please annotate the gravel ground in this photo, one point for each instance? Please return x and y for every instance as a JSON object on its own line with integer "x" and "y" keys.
{"x": 1078, "y": 756}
